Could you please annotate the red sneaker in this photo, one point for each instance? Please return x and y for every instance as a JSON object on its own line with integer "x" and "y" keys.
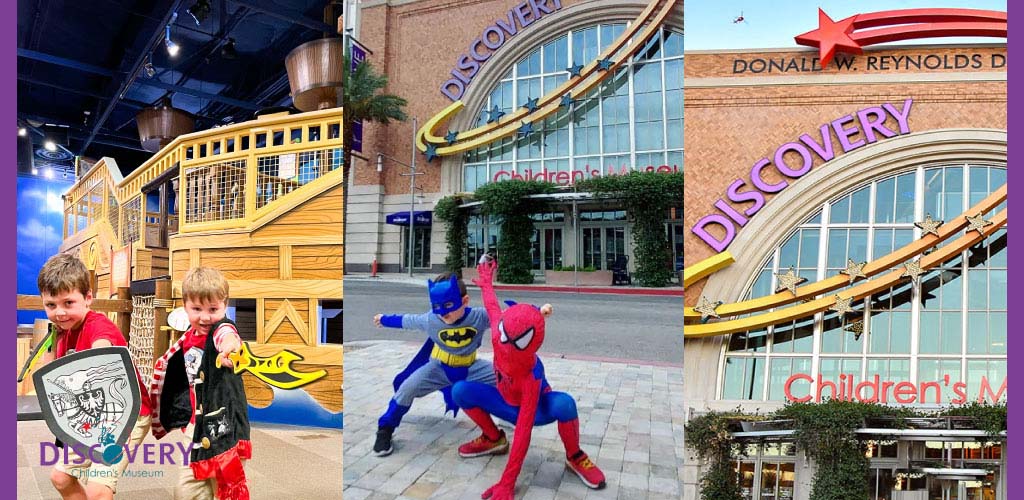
{"x": 588, "y": 472}
{"x": 482, "y": 446}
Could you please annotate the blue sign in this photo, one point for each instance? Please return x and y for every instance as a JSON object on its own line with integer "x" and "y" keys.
{"x": 358, "y": 56}
{"x": 423, "y": 218}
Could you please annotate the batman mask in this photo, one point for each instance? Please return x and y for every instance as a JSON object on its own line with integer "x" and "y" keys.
{"x": 445, "y": 296}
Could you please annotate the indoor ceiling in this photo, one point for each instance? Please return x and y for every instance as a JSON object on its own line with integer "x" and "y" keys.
{"x": 85, "y": 69}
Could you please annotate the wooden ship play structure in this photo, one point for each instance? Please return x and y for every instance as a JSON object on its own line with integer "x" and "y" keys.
{"x": 262, "y": 202}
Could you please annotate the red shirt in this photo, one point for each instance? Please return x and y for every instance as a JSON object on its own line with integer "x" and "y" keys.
{"x": 95, "y": 327}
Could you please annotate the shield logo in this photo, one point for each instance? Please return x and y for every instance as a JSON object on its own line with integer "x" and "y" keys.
{"x": 90, "y": 400}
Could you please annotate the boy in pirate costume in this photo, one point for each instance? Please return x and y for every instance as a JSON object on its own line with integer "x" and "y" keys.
{"x": 195, "y": 389}
{"x": 64, "y": 286}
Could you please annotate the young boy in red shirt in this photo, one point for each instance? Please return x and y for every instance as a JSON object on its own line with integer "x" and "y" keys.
{"x": 66, "y": 291}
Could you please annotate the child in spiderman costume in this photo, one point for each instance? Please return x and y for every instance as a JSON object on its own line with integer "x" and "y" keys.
{"x": 522, "y": 397}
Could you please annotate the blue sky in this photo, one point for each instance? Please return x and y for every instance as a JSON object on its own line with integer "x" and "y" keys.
{"x": 773, "y": 24}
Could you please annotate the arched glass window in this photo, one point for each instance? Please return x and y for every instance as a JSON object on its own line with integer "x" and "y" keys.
{"x": 634, "y": 119}
{"x": 952, "y": 323}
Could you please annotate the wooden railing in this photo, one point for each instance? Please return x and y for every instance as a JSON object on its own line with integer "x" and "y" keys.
{"x": 228, "y": 177}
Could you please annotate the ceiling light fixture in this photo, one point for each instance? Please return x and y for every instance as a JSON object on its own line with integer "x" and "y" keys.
{"x": 50, "y": 145}
{"x": 35, "y": 171}
{"x": 48, "y": 173}
{"x": 227, "y": 51}
{"x": 172, "y": 48}
{"x": 200, "y": 11}
{"x": 149, "y": 69}
{"x": 22, "y": 131}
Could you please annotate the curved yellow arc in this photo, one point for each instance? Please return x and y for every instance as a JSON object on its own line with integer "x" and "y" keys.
{"x": 860, "y": 291}
{"x": 509, "y": 124}
{"x": 706, "y": 267}
{"x": 870, "y": 269}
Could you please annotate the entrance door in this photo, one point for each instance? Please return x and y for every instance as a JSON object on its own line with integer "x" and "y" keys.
{"x": 420, "y": 248}
{"x": 546, "y": 248}
{"x": 745, "y": 478}
{"x": 777, "y": 480}
{"x": 602, "y": 246}
{"x": 978, "y": 490}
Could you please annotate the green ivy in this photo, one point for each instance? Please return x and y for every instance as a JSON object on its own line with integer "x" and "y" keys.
{"x": 647, "y": 197}
{"x": 457, "y": 223}
{"x": 510, "y": 204}
{"x": 826, "y": 433}
{"x": 987, "y": 417}
{"x": 710, "y": 437}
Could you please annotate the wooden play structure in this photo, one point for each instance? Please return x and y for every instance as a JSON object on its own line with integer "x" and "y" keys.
{"x": 262, "y": 202}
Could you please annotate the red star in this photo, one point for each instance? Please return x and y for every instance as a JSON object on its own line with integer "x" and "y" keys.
{"x": 86, "y": 426}
{"x": 829, "y": 36}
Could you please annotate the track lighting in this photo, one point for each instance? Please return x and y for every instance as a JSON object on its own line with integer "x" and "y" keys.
{"x": 200, "y": 11}
{"x": 228, "y": 50}
{"x": 172, "y": 48}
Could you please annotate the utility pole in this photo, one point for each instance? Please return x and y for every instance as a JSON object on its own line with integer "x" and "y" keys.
{"x": 412, "y": 192}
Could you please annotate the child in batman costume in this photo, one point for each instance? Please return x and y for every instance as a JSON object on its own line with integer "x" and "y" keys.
{"x": 522, "y": 396}
{"x": 454, "y": 333}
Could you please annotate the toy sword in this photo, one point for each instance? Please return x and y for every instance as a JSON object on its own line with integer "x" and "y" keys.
{"x": 275, "y": 370}
{"x": 38, "y": 351}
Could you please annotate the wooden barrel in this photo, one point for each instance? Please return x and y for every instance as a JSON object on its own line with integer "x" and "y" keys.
{"x": 314, "y": 73}
{"x": 160, "y": 124}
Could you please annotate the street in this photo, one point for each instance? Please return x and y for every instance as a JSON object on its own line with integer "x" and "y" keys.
{"x": 625, "y": 327}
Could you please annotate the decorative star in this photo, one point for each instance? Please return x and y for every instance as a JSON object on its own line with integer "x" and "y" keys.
{"x": 829, "y": 36}
{"x": 431, "y": 152}
{"x": 574, "y": 70}
{"x": 451, "y": 136}
{"x": 494, "y": 114}
{"x": 604, "y": 64}
{"x": 706, "y": 308}
{"x": 912, "y": 269}
{"x": 567, "y": 100}
{"x": 929, "y": 225}
{"x": 978, "y": 223}
{"x": 857, "y": 327}
{"x": 525, "y": 129}
{"x": 531, "y": 104}
{"x": 789, "y": 281}
{"x": 854, "y": 270}
{"x": 842, "y": 306}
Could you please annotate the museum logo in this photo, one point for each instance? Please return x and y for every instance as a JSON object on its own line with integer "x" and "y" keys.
{"x": 146, "y": 454}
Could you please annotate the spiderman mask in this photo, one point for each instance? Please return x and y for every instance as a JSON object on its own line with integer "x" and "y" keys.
{"x": 445, "y": 296}
{"x": 519, "y": 336}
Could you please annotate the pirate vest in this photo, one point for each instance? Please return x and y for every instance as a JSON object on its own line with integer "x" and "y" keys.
{"x": 222, "y": 412}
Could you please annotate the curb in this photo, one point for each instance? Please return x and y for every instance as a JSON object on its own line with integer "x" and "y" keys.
{"x": 664, "y": 292}
{"x": 671, "y": 292}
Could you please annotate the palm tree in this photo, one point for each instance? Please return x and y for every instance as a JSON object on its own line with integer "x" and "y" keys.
{"x": 363, "y": 101}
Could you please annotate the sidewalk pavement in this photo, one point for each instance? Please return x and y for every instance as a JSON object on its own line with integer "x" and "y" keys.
{"x": 631, "y": 425}
{"x": 288, "y": 462}
{"x": 421, "y": 280}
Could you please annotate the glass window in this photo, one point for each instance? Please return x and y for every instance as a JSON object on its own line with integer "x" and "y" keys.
{"x": 631, "y": 121}
{"x": 743, "y": 378}
{"x": 953, "y": 321}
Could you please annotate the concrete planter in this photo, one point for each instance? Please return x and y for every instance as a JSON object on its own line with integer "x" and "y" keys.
{"x": 591, "y": 278}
